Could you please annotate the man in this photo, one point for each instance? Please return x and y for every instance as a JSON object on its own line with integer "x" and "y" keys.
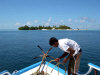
{"x": 70, "y": 48}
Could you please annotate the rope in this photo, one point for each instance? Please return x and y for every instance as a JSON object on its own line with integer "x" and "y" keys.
{"x": 58, "y": 63}
{"x": 44, "y": 59}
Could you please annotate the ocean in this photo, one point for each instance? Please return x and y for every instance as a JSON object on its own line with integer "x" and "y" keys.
{"x": 17, "y": 48}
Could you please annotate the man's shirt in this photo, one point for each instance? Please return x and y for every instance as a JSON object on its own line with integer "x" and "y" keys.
{"x": 64, "y": 44}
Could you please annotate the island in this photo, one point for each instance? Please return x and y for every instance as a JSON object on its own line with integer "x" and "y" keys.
{"x": 60, "y": 27}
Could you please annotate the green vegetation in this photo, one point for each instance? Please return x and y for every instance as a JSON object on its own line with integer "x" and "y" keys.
{"x": 24, "y": 28}
{"x": 43, "y": 27}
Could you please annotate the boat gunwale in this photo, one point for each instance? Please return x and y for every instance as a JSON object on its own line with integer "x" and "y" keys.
{"x": 37, "y": 64}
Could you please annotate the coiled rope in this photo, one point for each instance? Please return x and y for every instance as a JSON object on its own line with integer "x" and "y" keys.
{"x": 44, "y": 60}
{"x": 58, "y": 63}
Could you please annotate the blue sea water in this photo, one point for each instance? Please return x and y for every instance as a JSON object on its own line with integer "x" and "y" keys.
{"x": 17, "y": 48}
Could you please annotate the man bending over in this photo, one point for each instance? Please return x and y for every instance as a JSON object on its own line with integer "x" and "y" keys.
{"x": 70, "y": 48}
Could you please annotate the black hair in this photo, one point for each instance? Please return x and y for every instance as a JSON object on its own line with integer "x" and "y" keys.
{"x": 52, "y": 40}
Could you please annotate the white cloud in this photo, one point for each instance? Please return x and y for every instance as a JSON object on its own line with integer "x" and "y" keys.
{"x": 92, "y": 20}
{"x": 23, "y": 24}
{"x": 35, "y": 21}
{"x": 47, "y": 24}
{"x": 28, "y": 23}
{"x": 85, "y": 18}
{"x": 69, "y": 20}
{"x": 82, "y": 21}
{"x": 50, "y": 18}
{"x": 48, "y": 21}
{"x": 17, "y": 23}
{"x": 56, "y": 23}
{"x": 62, "y": 21}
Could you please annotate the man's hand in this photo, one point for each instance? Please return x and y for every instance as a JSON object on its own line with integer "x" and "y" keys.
{"x": 57, "y": 59}
{"x": 65, "y": 60}
{"x": 69, "y": 56}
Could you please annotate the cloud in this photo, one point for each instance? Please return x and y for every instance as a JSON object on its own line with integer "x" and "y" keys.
{"x": 23, "y": 24}
{"x": 47, "y": 24}
{"x": 62, "y": 21}
{"x": 69, "y": 20}
{"x": 28, "y": 23}
{"x": 82, "y": 21}
{"x": 84, "y": 18}
{"x": 17, "y": 23}
{"x": 35, "y": 21}
{"x": 50, "y": 18}
{"x": 90, "y": 20}
{"x": 48, "y": 21}
{"x": 56, "y": 23}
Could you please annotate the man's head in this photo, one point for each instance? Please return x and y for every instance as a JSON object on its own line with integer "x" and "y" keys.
{"x": 53, "y": 42}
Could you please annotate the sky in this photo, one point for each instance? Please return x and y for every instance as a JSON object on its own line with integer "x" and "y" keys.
{"x": 82, "y": 14}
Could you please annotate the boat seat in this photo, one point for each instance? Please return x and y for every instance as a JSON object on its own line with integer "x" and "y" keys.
{"x": 94, "y": 66}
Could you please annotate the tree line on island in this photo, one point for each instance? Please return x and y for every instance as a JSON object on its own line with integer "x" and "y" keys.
{"x": 43, "y": 27}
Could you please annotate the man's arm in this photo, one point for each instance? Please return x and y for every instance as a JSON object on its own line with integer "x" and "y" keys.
{"x": 63, "y": 55}
{"x": 71, "y": 53}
